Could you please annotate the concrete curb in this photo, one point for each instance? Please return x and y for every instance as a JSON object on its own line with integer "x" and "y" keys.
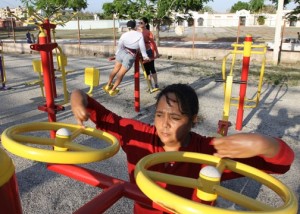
{"x": 167, "y": 52}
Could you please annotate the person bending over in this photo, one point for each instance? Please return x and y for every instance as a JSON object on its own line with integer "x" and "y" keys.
{"x": 128, "y": 46}
{"x": 176, "y": 113}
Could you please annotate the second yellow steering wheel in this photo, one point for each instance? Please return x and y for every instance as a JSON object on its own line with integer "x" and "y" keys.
{"x": 208, "y": 185}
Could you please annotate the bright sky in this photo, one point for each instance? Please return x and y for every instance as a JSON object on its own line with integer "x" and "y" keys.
{"x": 96, "y": 5}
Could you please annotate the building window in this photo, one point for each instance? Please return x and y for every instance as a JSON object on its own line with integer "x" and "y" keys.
{"x": 200, "y": 21}
{"x": 242, "y": 20}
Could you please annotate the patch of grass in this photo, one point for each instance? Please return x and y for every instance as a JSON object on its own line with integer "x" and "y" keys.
{"x": 282, "y": 74}
{"x": 276, "y": 75}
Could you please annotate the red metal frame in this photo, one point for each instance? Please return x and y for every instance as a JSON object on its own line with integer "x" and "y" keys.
{"x": 137, "y": 83}
{"x": 45, "y": 48}
{"x": 10, "y": 199}
{"x": 113, "y": 188}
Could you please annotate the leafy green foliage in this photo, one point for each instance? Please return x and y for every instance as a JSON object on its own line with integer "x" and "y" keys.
{"x": 261, "y": 20}
{"x": 206, "y": 9}
{"x": 256, "y": 5}
{"x": 52, "y": 7}
{"x": 156, "y": 10}
{"x": 296, "y": 11}
{"x": 239, "y": 6}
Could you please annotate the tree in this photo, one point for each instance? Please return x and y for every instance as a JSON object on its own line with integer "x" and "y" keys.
{"x": 159, "y": 11}
{"x": 285, "y": 2}
{"x": 51, "y": 8}
{"x": 269, "y": 9}
{"x": 239, "y": 6}
{"x": 206, "y": 9}
{"x": 261, "y": 20}
{"x": 256, "y": 5}
{"x": 295, "y": 12}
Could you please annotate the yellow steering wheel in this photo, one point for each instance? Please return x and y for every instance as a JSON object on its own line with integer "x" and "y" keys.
{"x": 65, "y": 151}
{"x": 208, "y": 185}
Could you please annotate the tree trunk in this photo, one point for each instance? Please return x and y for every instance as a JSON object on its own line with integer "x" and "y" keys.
{"x": 157, "y": 39}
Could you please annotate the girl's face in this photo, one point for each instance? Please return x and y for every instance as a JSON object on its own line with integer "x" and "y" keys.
{"x": 141, "y": 24}
{"x": 172, "y": 126}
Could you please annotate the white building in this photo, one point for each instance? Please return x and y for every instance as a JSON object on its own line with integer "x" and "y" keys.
{"x": 244, "y": 17}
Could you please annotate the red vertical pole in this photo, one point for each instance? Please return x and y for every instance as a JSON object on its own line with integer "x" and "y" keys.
{"x": 137, "y": 84}
{"x": 244, "y": 78}
{"x": 47, "y": 80}
{"x": 47, "y": 26}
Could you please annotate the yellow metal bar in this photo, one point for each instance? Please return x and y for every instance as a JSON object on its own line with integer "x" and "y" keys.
{"x": 242, "y": 200}
{"x": 261, "y": 76}
{"x": 237, "y": 45}
{"x": 227, "y": 98}
{"x": 233, "y": 61}
{"x": 224, "y": 70}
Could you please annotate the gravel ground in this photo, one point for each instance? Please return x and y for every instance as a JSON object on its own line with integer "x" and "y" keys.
{"x": 43, "y": 191}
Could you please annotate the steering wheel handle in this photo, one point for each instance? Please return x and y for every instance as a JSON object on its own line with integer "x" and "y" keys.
{"x": 65, "y": 150}
{"x": 208, "y": 185}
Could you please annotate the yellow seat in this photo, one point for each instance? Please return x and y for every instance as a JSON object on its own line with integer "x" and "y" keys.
{"x": 37, "y": 67}
{"x": 91, "y": 78}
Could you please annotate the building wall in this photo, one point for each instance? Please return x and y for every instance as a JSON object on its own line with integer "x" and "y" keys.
{"x": 92, "y": 24}
{"x": 232, "y": 19}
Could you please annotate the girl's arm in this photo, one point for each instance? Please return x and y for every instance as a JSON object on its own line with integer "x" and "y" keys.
{"x": 154, "y": 46}
{"x": 262, "y": 152}
{"x": 78, "y": 105}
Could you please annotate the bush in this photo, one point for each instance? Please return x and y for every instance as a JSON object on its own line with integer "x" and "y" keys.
{"x": 261, "y": 20}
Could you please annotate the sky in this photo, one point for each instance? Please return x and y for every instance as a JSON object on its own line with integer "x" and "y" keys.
{"x": 96, "y": 5}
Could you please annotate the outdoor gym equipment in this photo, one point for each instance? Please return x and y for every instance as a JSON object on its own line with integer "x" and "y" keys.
{"x": 65, "y": 150}
{"x": 91, "y": 78}
{"x": 62, "y": 62}
{"x": 228, "y": 80}
{"x": 37, "y": 68}
{"x": 208, "y": 185}
{"x": 45, "y": 50}
{"x": 136, "y": 81}
{"x": 2, "y": 69}
{"x": 148, "y": 80}
{"x": 10, "y": 202}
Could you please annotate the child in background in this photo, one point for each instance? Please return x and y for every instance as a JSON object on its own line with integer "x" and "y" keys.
{"x": 129, "y": 45}
{"x": 151, "y": 50}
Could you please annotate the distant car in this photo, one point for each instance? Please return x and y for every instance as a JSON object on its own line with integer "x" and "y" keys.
{"x": 288, "y": 44}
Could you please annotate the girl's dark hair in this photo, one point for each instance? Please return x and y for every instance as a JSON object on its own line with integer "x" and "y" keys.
{"x": 186, "y": 97}
{"x": 146, "y": 21}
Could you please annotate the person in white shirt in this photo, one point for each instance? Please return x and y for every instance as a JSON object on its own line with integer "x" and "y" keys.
{"x": 129, "y": 44}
